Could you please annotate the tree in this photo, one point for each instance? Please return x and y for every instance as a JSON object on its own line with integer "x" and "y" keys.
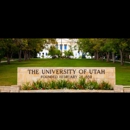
{"x": 106, "y": 48}
{"x": 20, "y": 43}
{"x": 122, "y": 45}
{"x": 32, "y": 46}
{"x": 114, "y": 47}
{"x": 91, "y": 45}
{"x": 58, "y": 53}
{"x": 84, "y": 45}
{"x": 2, "y": 53}
{"x": 101, "y": 46}
{"x": 51, "y": 40}
{"x": 8, "y": 47}
{"x": 68, "y": 53}
{"x": 52, "y": 51}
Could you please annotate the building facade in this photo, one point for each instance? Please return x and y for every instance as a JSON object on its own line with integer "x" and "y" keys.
{"x": 62, "y": 45}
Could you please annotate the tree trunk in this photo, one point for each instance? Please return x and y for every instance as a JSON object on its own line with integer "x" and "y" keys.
{"x": 11, "y": 56}
{"x": 97, "y": 55}
{"x": 25, "y": 55}
{"x": 113, "y": 57}
{"x": 29, "y": 55}
{"x": 20, "y": 52}
{"x": 107, "y": 54}
{"x": 102, "y": 57}
{"x": 121, "y": 55}
{"x": 8, "y": 57}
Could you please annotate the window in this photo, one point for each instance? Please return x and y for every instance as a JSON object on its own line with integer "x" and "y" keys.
{"x": 60, "y": 46}
{"x": 65, "y": 47}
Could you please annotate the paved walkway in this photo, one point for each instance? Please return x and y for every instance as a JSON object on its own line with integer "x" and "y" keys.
{"x": 120, "y": 61}
{"x": 110, "y": 60}
{"x": 10, "y": 60}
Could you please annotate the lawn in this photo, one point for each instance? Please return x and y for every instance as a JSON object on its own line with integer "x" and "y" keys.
{"x": 8, "y": 73}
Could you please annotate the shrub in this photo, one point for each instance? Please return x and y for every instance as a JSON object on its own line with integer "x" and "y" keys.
{"x": 92, "y": 84}
{"x": 60, "y": 84}
{"x": 52, "y": 84}
{"x": 82, "y": 83}
{"x": 26, "y": 86}
{"x": 104, "y": 85}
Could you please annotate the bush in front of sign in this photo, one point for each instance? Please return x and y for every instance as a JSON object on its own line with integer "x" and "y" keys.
{"x": 62, "y": 84}
{"x": 105, "y": 85}
{"x": 92, "y": 84}
{"x": 52, "y": 84}
{"x": 82, "y": 83}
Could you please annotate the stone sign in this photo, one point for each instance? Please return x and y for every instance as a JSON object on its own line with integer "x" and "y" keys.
{"x": 30, "y": 74}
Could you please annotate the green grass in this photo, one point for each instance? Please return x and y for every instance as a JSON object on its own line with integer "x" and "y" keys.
{"x": 8, "y": 73}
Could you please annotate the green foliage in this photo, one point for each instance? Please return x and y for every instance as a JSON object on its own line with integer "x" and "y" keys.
{"x": 38, "y": 84}
{"x": 2, "y": 53}
{"x": 29, "y": 46}
{"x": 26, "y": 86}
{"x": 58, "y": 53}
{"x": 61, "y": 84}
{"x": 70, "y": 85}
{"x": 68, "y": 53}
{"x": 52, "y": 84}
{"x": 84, "y": 44}
{"x": 51, "y": 40}
{"x": 53, "y": 51}
{"x": 82, "y": 83}
{"x": 105, "y": 85}
{"x": 92, "y": 84}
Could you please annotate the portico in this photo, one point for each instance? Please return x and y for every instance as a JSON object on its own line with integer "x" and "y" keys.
{"x": 62, "y": 45}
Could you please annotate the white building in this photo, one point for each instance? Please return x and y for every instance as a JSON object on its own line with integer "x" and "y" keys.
{"x": 63, "y": 45}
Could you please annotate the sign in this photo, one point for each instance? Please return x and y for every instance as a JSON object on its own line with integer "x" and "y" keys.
{"x": 30, "y": 74}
